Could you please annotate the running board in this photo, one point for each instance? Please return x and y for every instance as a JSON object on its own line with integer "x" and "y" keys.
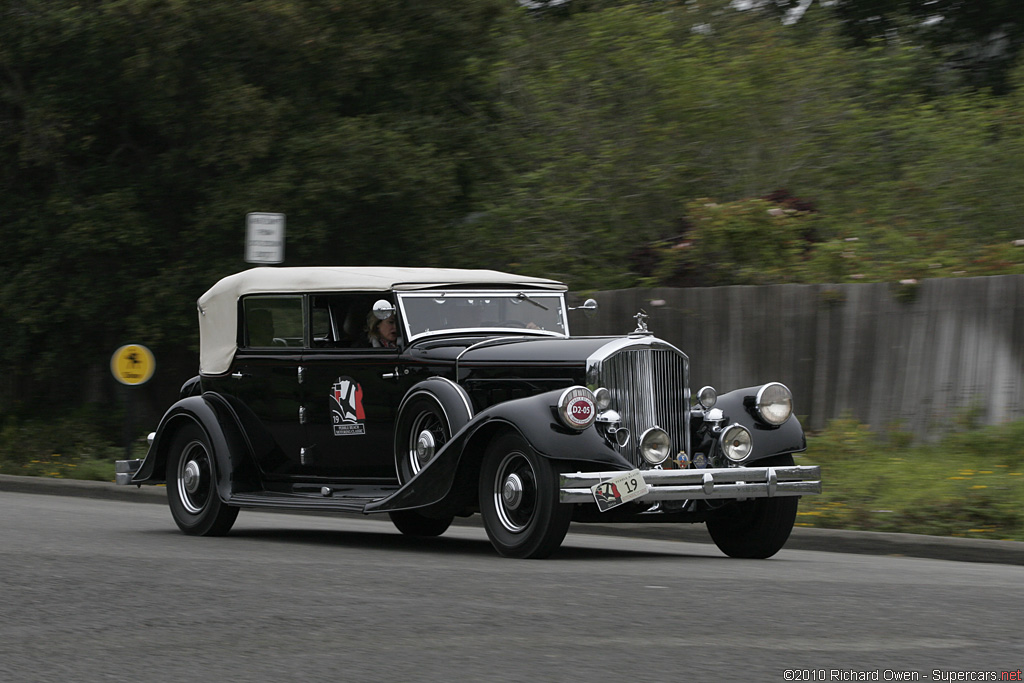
{"x": 328, "y": 501}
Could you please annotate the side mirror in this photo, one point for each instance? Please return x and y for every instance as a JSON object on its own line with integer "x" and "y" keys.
{"x": 383, "y": 309}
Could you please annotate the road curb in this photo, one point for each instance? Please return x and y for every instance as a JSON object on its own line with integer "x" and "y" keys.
{"x": 828, "y": 540}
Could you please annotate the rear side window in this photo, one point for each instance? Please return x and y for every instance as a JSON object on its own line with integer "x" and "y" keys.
{"x": 272, "y": 321}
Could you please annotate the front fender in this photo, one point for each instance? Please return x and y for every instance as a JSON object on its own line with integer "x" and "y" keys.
{"x": 235, "y": 469}
{"x": 737, "y": 407}
{"x": 449, "y": 480}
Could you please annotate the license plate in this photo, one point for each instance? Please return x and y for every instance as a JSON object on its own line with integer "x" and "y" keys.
{"x": 618, "y": 490}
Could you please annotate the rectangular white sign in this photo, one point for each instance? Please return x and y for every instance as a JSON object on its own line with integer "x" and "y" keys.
{"x": 264, "y": 238}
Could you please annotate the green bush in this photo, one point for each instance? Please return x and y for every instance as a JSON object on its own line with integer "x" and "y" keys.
{"x": 970, "y": 484}
{"x": 69, "y": 448}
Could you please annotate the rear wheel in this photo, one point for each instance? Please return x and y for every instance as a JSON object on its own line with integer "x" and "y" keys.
{"x": 192, "y": 487}
{"x": 758, "y": 528}
{"x": 413, "y": 523}
{"x": 422, "y": 430}
{"x": 519, "y": 499}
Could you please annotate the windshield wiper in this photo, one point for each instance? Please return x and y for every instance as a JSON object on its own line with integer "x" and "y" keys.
{"x": 522, "y": 297}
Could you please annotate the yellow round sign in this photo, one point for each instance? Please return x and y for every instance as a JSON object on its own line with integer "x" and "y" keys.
{"x": 132, "y": 364}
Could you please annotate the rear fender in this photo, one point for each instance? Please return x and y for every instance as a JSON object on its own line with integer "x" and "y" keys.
{"x": 232, "y": 453}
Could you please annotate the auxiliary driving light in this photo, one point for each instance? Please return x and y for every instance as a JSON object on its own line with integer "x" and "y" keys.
{"x": 736, "y": 442}
{"x": 655, "y": 445}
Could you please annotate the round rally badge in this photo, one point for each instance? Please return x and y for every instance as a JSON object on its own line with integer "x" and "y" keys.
{"x": 576, "y": 407}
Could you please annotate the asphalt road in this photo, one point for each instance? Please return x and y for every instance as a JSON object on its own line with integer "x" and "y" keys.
{"x": 107, "y": 590}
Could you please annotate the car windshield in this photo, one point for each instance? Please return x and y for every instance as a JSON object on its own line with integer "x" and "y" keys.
{"x": 522, "y": 312}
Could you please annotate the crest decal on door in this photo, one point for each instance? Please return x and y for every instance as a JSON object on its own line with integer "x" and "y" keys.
{"x": 347, "y": 415}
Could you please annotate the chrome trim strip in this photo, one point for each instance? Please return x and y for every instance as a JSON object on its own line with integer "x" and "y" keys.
{"x": 486, "y": 342}
{"x": 703, "y": 484}
{"x": 462, "y": 394}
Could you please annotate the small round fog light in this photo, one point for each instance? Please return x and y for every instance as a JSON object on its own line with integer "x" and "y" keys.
{"x": 655, "y": 445}
{"x": 603, "y": 398}
{"x": 736, "y": 442}
{"x": 707, "y": 397}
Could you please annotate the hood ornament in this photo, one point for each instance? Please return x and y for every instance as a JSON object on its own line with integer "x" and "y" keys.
{"x": 641, "y": 322}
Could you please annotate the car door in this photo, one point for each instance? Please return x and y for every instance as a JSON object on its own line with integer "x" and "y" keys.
{"x": 264, "y": 386}
{"x": 351, "y": 392}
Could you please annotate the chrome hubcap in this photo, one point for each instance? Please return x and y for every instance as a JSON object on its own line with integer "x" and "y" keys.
{"x": 194, "y": 478}
{"x": 512, "y": 491}
{"x": 191, "y": 476}
{"x": 427, "y": 433}
{"x": 424, "y": 448}
{"x": 515, "y": 492}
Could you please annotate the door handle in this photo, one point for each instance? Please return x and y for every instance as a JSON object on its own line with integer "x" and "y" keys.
{"x": 239, "y": 375}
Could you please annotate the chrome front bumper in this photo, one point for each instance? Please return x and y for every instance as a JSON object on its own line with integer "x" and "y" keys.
{"x": 706, "y": 484}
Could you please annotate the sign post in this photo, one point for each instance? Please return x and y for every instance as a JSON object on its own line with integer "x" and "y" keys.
{"x": 132, "y": 365}
{"x": 264, "y": 238}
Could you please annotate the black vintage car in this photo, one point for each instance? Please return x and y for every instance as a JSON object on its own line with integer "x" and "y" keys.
{"x": 428, "y": 394}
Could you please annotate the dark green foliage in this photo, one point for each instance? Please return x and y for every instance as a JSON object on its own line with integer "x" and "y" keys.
{"x": 978, "y": 39}
{"x": 136, "y": 134}
{"x": 574, "y": 141}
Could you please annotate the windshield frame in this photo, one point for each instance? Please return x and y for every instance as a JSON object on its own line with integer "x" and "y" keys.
{"x": 527, "y": 297}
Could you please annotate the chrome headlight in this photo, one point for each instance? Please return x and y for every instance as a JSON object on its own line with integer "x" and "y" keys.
{"x": 576, "y": 408}
{"x": 603, "y": 398}
{"x": 655, "y": 445}
{"x": 736, "y": 442}
{"x": 774, "y": 403}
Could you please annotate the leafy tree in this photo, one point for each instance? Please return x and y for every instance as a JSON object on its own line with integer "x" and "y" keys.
{"x": 136, "y": 134}
{"x": 979, "y": 38}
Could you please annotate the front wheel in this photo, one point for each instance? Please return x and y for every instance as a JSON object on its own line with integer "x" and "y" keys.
{"x": 519, "y": 500}
{"x": 192, "y": 487}
{"x": 758, "y": 528}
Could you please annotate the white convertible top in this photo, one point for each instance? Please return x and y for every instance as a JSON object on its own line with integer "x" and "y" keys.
{"x": 218, "y": 307}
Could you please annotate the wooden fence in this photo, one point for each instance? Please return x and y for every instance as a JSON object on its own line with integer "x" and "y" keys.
{"x": 909, "y": 356}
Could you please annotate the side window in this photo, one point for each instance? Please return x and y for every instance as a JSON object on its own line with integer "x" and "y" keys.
{"x": 323, "y": 331}
{"x": 341, "y": 321}
{"x": 272, "y": 321}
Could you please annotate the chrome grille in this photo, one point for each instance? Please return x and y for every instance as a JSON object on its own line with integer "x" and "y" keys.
{"x": 649, "y": 384}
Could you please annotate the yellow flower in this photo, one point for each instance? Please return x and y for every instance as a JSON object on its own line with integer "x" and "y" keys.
{"x": 979, "y": 486}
